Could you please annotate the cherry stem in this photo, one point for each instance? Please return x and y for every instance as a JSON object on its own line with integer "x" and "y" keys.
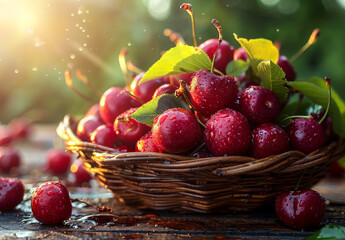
{"x": 312, "y": 39}
{"x": 218, "y": 72}
{"x": 123, "y": 65}
{"x": 328, "y": 84}
{"x": 188, "y": 8}
{"x": 175, "y": 37}
{"x": 132, "y": 95}
{"x": 131, "y": 67}
{"x": 299, "y": 181}
{"x": 220, "y": 38}
{"x": 295, "y": 116}
{"x": 99, "y": 209}
{"x": 69, "y": 83}
{"x": 81, "y": 76}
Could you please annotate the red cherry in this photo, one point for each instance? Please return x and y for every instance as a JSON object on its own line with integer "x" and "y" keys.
{"x": 269, "y": 139}
{"x": 145, "y": 90}
{"x": 300, "y": 209}
{"x": 240, "y": 54}
{"x": 128, "y": 130}
{"x": 187, "y": 77}
{"x": 259, "y": 104}
{"x": 224, "y": 55}
{"x": 336, "y": 170}
{"x": 11, "y": 193}
{"x": 175, "y": 131}
{"x": 86, "y": 126}
{"x": 5, "y": 136}
{"x": 146, "y": 144}
{"x": 104, "y": 135}
{"x": 125, "y": 149}
{"x": 20, "y": 128}
{"x": 50, "y": 203}
{"x": 306, "y": 134}
{"x": 290, "y": 73}
{"x": 165, "y": 89}
{"x": 58, "y": 161}
{"x": 81, "y": 175}
{"x": 210, "y": 92}
{"x": 114, "y": 102}
{"x": 9, "y": 159}
{"x": 94, "y": 111}
{"x": 227, "y": 133}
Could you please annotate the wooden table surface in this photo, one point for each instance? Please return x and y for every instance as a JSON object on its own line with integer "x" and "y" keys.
{"x": 129, "y": 223}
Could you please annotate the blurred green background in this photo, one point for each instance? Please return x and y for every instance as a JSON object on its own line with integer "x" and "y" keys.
{"x": 41, "y": 39}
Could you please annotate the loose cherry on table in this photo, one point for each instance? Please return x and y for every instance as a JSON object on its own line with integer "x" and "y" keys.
{"x": 11, "y": 193}
{"x": 176, "y": 130}
{"x": 58, "y": 161}
{"x": 227, "y": 132}
{"x": 80, "y": 174}
{"x": 9, "y": 159}
{"x": 50, "y": 203}
{"x": 300, "y": 209}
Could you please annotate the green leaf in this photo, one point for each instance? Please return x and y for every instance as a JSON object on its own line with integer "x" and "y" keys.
{"x": 273, "y": 78}
{"x": 179, "y": 59}
{"x": 236, "y": 68}
{"x": 329, "y": 232}
{"x": 258, "y": 50}
{"x": 319, "y": 95}
{"x": 147, "y": 112}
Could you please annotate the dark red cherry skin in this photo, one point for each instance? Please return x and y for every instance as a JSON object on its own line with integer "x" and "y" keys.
{"x": 105, "y": 135}
{"x": 125, "y": 149}
{"x": 240, "y": 54}
{"x": 113, "y": 102}
{"x": 210, "y": 92}
{"x": 129, "y": 132}
{"x": 50, "y": 203}
{"x": 58, "y": 161}
{"x": 11, "y": 193}
{"x": 86, "y": 126}
{"x": 227, "y": 133}
{"x": 146, "y": 144}
{"x": 306, "y": 134}
{"x": 9, "y": 159}
{"x": 290, "y": 73}
{"x": 175, "y": 79}
{"x": 81, "y": 175}
{"x": 225, "y": 53}
{"x": 336, "y": 170}
{"x": 5, "y": 136}
{"x": 269, "y": 139}
{"x": 202, "y": 154}
{"x": 259, "y": 104}
{"x": 176, "y": 131}
{"x": 145, "y": 91}
{"x": 166, "y": 88}
{"x": 94, "y": 111}
{"x": 20, "y": 128}
{"x": 300, "y": 209}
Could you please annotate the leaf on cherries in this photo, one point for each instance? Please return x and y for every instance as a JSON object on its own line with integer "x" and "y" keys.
{"x": 314, "y": 90}
{"x": 179, "y": 59}
{"x": 330, "y": 231}
{"x": 273, "y": 78}
{"x": 258, "y": 50}
{"x": 147, "y": 112}
{"x": 236, "y": 68}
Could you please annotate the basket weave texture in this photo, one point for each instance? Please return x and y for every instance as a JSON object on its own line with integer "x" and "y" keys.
{"x": 186, "y": 184}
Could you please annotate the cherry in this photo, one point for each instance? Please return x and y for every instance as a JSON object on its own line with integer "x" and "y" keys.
{"x": 58, "y": 161}
{"x": 104, "y": 135}
{"x": 86, "y": 126}
{"x": 259, "y": 104}
{"x": 128, "y": 130}
{"x": 240, "y": 54}
{"x": 336, "y": 170}
{"x": 115, "y": 101}
{"x": 9, "y": 159}
{"x": 50, "y": 203}
{"x": 227, "y": 133}
{"x": 202, "y": 154}
{"x": 300, "y": 209}
{"x": 306, "y": 134}
{"x": 290, "y": 73}
{"x": 165, "y": 89}
{"x": 146, "y": 144}
{"x": 5, "y": 136}
{"x": 210, "y": 92}
{"x": 145, "y": 90}
{"x": 125, "y": 149}
{"x": 175, "y": 131}
{"x": 20, "y": 128}
{"x": 11, "y": 193}
{"x": 224, "y": 56}
{"x": 81, "y": 175}
{"x": 269, "y": 139}
{"x": 94, "y": 111}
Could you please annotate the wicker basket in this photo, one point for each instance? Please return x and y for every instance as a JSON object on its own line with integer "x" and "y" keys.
{"x": 186, "y": 184}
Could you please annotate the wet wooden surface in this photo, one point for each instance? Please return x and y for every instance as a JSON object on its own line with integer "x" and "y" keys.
{"x": 129, "y": 223}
